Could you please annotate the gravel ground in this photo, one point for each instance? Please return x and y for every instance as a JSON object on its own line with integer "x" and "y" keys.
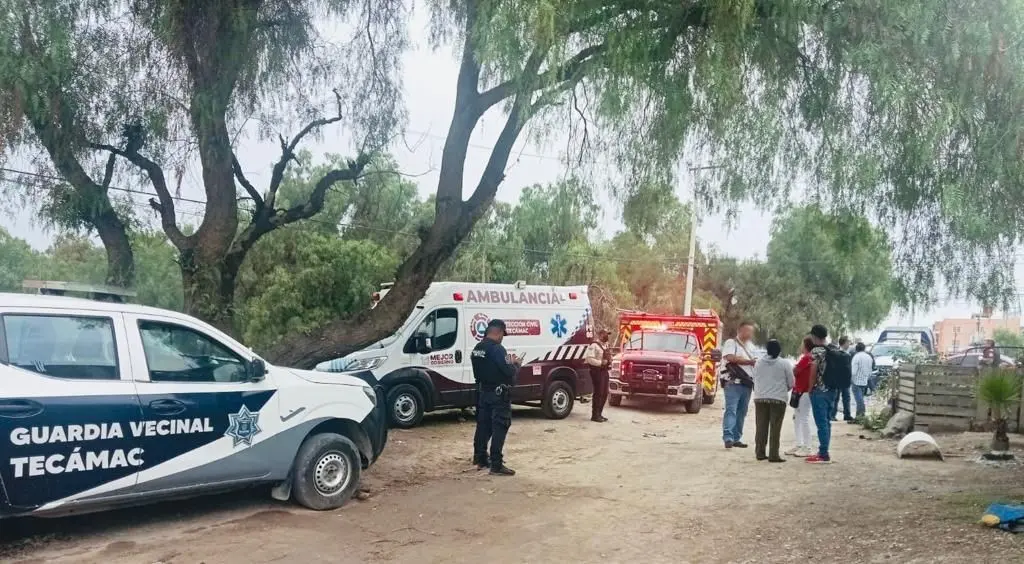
{"x": 653, "y": 483}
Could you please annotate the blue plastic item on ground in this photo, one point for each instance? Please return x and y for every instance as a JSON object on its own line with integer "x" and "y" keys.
{"x": 1006, "y": 517}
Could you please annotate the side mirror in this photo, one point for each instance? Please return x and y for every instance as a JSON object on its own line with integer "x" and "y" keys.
{"x": 716, "y": 355}
{"x": 422, "y": 343}
{"x": 257, "y": 370}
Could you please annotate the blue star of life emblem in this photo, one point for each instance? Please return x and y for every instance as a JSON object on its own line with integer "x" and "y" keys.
{"x": 558, "y": 326}
{"x": 243, "y": 426}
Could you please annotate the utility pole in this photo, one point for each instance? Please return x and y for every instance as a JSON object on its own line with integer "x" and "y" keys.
{"x": 691, "y": 256}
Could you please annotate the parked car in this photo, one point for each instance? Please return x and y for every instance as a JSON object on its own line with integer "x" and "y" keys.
{"x": 106, "y": 404}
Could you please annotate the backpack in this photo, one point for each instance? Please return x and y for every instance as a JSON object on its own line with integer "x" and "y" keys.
{"x": 838, "y": 371}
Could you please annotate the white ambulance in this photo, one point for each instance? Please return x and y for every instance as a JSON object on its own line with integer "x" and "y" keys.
{"x": 107, "y": 404}
{"x": 425, "y": 365}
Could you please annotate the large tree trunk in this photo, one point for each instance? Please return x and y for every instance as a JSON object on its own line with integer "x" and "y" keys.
{"x": 209, "y": 289}
{"x": 120, "y": 258}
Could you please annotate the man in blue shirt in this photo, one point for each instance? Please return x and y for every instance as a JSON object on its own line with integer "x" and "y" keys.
{"x": 495, "y": 373}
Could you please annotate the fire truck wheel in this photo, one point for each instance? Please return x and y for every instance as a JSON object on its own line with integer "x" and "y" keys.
{"x": 558, "y": 401}
{"x": 709, "y": 400}
{"x": 694, "y": 405}
{"x": 615, "y": 401}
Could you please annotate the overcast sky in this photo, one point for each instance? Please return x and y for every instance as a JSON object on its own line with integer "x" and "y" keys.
{"x": 429, "y": 80}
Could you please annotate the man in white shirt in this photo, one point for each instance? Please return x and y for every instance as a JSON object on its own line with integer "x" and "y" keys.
{"x": 598, "y": 359}
{"x": 861, "y": 368}
{"x": 737, "y": 382}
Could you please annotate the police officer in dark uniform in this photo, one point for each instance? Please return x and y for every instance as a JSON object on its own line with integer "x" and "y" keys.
{"x": 495, "y": 374}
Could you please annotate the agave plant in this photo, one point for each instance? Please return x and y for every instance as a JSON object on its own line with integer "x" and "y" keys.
{"x": 1000, "y": 390}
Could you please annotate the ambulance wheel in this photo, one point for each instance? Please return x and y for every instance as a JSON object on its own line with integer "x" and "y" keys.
{"x": 405, "y": 406}
{"x": 615, "y": 401}
{"x": 558, "y": 401}
{"x": 694, "y": 405}
{"x": 326, "y": 472}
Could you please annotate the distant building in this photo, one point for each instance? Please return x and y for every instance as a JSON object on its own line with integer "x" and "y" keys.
{"x": 952, "y": 335}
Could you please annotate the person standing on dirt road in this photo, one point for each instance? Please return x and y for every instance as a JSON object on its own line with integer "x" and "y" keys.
{"x": 823, "y": 398}
{"x": 598, "y": 360}
{"x": 804, "y": 381}
{"x": 495, "y": 373}
{"x": 844, "y": 345}
{"x": 773, "y": 378}
{"x": 737, "y": 380}
{"x": 861, "y": 369}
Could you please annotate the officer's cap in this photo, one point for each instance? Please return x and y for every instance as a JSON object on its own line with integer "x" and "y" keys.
{"x": 496, "y": 324}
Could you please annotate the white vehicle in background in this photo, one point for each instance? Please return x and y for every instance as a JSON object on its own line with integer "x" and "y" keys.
{"x": 425, "y": 365}
{"x": 106, "y": 405}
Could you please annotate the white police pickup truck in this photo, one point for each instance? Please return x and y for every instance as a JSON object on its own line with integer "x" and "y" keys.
{"x": 104, "y": 405}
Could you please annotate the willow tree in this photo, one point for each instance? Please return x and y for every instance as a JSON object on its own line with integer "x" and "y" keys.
{"x": 110, "y": 89}
{"x": 909, "y": 111}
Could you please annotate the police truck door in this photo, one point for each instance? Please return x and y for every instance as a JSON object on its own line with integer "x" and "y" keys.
{"x": 67, "y": 407}
{"x": 202, "y": 414}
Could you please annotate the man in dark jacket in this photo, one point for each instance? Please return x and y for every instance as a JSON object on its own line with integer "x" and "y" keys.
{"x": 495, "y": 373}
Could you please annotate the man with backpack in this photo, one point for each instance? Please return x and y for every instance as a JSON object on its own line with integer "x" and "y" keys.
{"x": 832, "y": 372}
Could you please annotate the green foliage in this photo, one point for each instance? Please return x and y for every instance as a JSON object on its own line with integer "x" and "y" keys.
{"x": 819, "y": 268}
{"x": 158, "y": 276}
{"x": 1011, "y": 341}
{"x": 999, "y": 389}
{"x": 297, "y": 280}
{"x": 18, "y": 261}
{"x": 74, "y": 258}
{"x": 907, "y": 112}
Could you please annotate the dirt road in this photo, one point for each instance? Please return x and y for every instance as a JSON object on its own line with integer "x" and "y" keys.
{"x": 652, "y": 483}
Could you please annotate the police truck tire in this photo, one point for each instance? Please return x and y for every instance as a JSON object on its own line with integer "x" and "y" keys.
{"x": 615, "y": 401}
{"x": 694, "y": 405}
{"x": 405, "y": 406}
{"x": 558, "y": 400}
{"x": 326, "y": 471}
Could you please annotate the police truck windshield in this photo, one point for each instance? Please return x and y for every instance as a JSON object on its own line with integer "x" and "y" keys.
{"x": 666, "y": 342}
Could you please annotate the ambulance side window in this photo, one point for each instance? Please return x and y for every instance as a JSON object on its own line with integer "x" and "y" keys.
{"x": 442, "y": 326}
{"x": 179, "y": 354}
{"x": 72, "y": 347}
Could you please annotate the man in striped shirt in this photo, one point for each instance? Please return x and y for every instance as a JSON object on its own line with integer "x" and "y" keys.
{"x": 598, "y": 359}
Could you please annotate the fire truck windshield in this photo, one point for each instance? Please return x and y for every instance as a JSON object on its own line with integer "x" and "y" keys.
{"x": 667, "y": 342}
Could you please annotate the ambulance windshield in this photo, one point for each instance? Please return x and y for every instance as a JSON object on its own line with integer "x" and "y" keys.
{"x": 667, "y": 342}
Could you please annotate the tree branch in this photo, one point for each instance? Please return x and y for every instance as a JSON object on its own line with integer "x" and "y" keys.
{"x": 165, "y": 205}
{"x": 572, "y": 67}
{"x": 288, "y": 152}
{"x": 272, "y": 219}
{"x": 253, "y": 193}
{"x": 108, "y": 172}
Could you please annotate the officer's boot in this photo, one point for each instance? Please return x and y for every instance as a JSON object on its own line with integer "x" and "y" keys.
{"x": 502, "y": 470}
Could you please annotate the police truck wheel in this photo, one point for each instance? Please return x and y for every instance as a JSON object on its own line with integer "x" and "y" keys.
{"x": 694, "y": 405}
{"x": 326, "y": 472}
{"x": 615, "y": 401}
{"x": 405, "y": 406}
{"x": 558, "y": 401}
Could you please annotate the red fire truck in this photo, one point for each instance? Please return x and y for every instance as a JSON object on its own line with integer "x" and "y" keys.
{"x": 670, "y": 357}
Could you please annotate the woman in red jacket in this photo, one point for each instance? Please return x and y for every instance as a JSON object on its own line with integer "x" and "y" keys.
{"x": 802, "y": 414}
